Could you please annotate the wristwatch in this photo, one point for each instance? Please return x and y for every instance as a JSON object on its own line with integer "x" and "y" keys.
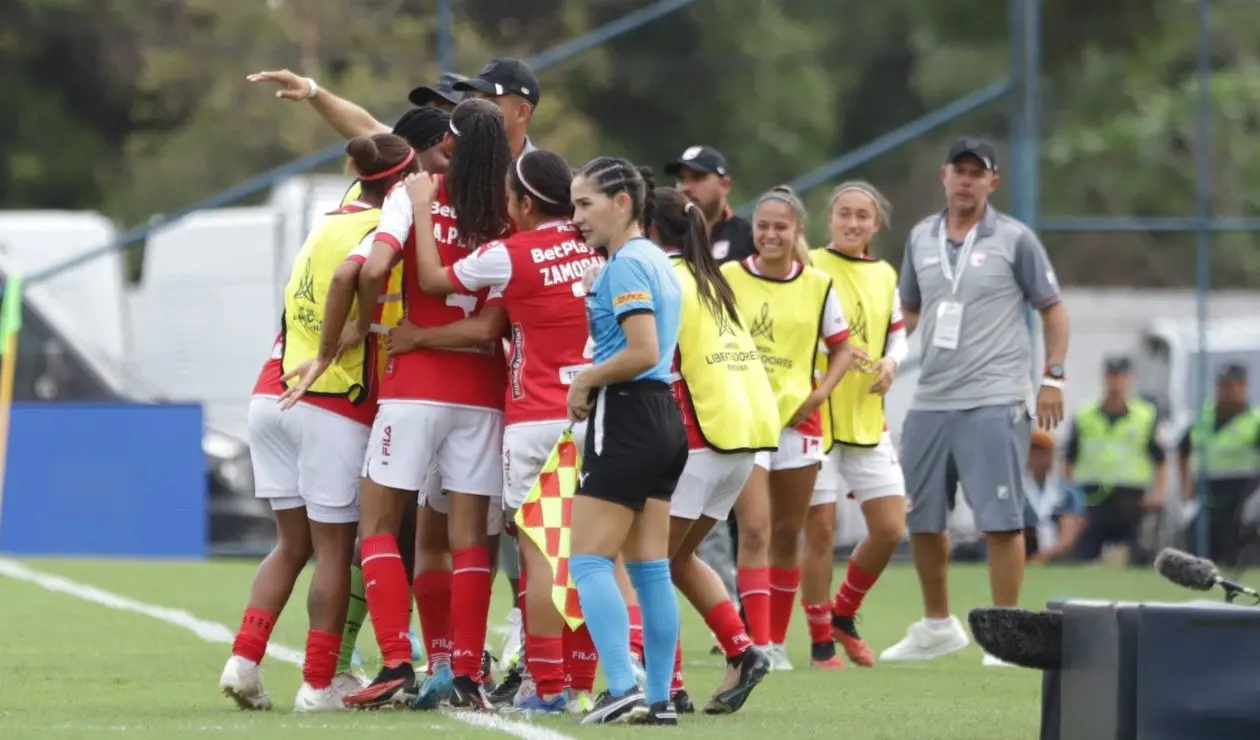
{"x": 1054, "y": 377}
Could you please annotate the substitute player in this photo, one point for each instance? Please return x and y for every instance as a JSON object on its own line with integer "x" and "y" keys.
{"x": 536, "y": 297}
{"x": 636, "y": 445}
{"x": 862, "y": 461}
{"x": 729, "y": 411}
{"x": 791, "y": 307}
{"x": 307, "y": 459}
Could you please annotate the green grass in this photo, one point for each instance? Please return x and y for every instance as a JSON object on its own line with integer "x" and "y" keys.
{"x": 75, "y": 669}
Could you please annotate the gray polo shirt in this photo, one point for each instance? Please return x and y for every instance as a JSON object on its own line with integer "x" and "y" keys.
{"x": 1007, "y": 270}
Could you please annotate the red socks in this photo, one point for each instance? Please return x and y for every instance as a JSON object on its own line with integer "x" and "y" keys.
{"x": 853, "y": 590}
{"x": 471, "y": 580}
{"x": 387, "y": 597}
{"x": 545, "y": 658}
{"x": 433, "y": 600}
{"x": 724, "y": 620}
{"x": 320, "y": 664}
{"x": 819, "y": 618}
{"x": 636, "y": 633}
{"x": 676, "y": 683}
{"x": 251, "y": 638}
{"x": 754, "y": 594}
{"x": 784, "y": 583}
{"x": 581, "y": 658}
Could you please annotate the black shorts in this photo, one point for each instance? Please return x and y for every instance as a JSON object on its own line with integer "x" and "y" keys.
{"x": 636, "y": 445}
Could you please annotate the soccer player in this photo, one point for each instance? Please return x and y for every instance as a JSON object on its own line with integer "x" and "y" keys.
{"x": 791, "y": 307}
{"x": 730, "y": 413}
{"x": 861, "y": 458}
{"x": 535, "y": 283}
{"x": 307, "y": 459}
{"x": 636, "y": 446}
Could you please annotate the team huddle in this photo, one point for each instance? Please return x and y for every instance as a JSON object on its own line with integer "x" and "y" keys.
{"x": 473, "y": 303}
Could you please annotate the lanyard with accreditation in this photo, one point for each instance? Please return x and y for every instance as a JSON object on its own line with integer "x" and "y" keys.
{"x": 949, "y": 312}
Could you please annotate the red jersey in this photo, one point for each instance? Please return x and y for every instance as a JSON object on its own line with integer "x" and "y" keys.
{"x": 695, "y": 440}
{"x": 537, "y": 276}
{"x": 458, "y": 377}
{"x": 269, "y": 384}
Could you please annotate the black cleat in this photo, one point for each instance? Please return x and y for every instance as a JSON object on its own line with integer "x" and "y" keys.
{"x": 682, "y": 702}
{"x": 742, "y": 676}
{"x": 662, "y": 714}
{"x": 469, "y": 693}
{"x": 629, "y": 708}
{"x": 505, "y": 692}
{"x": 392, "y": 687}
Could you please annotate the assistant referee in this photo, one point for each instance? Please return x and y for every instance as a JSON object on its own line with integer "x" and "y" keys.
{"x": 636, "y": 445}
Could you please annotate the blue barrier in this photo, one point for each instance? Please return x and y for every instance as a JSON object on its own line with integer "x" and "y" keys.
{"x": 105, "y": 479}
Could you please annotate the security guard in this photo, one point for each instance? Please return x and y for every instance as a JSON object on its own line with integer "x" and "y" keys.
{"x": 1229, "y": 431}
{"x": 1114, "y": 455}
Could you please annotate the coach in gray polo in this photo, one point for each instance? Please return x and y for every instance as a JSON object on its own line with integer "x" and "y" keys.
{"x": 968, "y": 275}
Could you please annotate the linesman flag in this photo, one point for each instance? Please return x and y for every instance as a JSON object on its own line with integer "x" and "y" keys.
{"x": 545, "y": 517}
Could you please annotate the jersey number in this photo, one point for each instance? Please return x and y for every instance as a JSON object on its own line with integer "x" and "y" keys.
{"x": 463, "y": 301}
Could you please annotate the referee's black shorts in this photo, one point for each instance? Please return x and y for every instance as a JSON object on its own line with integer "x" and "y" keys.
{"x": 636, "y": 446}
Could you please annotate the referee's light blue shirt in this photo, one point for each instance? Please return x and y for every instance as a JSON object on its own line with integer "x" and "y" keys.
{"x": 638, "y": 279}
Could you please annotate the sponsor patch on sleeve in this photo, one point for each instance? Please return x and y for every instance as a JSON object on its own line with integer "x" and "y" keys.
{"x": 638, "y": 296}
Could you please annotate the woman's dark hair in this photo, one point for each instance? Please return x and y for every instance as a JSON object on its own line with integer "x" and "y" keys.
{"x": 423, "y": 127}
{"x": 476, "y": 182}
{"x": 613, "y": 175}
{"x": 545, "y": 177}
{"x": 381, "y": 160}
{"x": 680, "y": 225}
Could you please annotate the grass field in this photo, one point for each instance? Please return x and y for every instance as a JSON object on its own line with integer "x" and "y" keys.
{"x": 145, "y": 664}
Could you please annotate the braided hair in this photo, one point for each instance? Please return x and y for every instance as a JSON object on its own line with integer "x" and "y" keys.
{"x": 476, "y": 182}
{"x": 423, "y": 127}
{"x": 612, "y": 176}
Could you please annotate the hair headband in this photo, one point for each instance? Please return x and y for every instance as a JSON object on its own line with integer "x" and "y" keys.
{"x": 411, "y": 154}
{"x": 689, "y": 207}
{"x": 860, "y": 188}
{"x": 453, "y": 129}
{"x": 520, "y": 175}
{"x": 785, "y": 197}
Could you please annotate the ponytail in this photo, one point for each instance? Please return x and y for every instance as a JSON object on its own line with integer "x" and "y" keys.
{"x": 680, "y": 224}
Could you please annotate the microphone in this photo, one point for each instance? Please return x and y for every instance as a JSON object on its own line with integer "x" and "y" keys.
{"x": 1197, "y": 574}
{"x": 1025, "y": 638}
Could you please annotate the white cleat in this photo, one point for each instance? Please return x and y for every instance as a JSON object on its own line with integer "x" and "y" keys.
{"x": 778, "y": 657}
{"x": 992, "y": 662}
{"x": 513, "y": 641}
{"x": 241, "y": 681}
{"x": 929, "y": 639}
{"x": 527, "y": 689}
{"x": 348, "y": 682}
{"x": 579, "y": 702}
{"x": 311, "y": 699}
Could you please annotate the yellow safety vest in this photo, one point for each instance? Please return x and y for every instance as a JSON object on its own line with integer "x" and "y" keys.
{"x": 1114, "y": 455}
{"x": 867, "y": 290}
{"x": 1231, "y": 449}
{"x": 334, "y": 237}
{"x": 784, "y": 319}
{"x": 392, "y": 309}
{"x": 730, "y": 393}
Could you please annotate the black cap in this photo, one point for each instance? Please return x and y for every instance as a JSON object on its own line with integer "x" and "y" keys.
{"x": 443, "y": 89}
{"x": 703, "y": 159}
{"x": 1118, "y": 364}
{"x": 978, "y": 148}
{"x": 504, "y": 76}
{"x": 1231, "y": 371}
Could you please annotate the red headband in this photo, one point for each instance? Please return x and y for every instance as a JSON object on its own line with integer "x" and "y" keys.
{"x": 411, "y": 154}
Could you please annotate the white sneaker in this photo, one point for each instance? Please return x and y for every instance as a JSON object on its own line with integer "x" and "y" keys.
{"x": 992, "y": 662}
{"x": 513, "y": 641}
{"x": 778, "y": 658}
{"x": 348, "y": 682}
{"x": 527, "y": 689}
{"x": 928, "y": 639}
{"x": 579, "y": 702}
{"x": 311, "y": 699}
{"x": 241, "y": 681}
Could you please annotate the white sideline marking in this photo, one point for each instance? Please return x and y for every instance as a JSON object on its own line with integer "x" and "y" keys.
{"x": 215, "y": 632}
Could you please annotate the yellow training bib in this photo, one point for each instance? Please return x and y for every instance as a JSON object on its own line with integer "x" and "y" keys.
{"x": 334, "y": 237}
{"x": 391, "y": 299}
{"x": 784, "y": 318}
{"x": 727, "y": 386}
{"x": 867, "y": 290}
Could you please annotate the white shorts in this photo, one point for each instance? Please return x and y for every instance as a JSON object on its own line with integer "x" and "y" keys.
{"x": 710, "y": 484}
{"x": 408, "y": 439}
{"x": 526, "y": 448}
{"x": 866, "y": 472}
{"x": 796, "y": 450}
{"x": 432, "y": 496}
{"x": 306, "y": 456}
